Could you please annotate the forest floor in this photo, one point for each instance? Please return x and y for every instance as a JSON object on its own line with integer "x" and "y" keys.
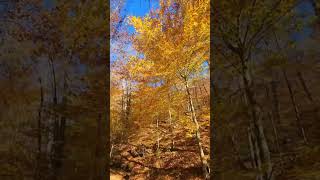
{"x": 181, "y": 162}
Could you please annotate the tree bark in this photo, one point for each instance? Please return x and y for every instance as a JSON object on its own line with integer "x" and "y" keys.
{"x": 251, "y": 148}
{"x": 205, "y": 166}
{"x": 171, "y": 124}
{"x": 128, "y": 106}
{"x": 296, "y": 109}
{"x": 273, "y": 116}
{"x": 54, "y": 82}
{"x": 256, "y": 122}
{"x": 38, "y": 168}
{"x": 305, "y": 88}
{"x": 52, "y": 125}
{"x": 59, "y": 133}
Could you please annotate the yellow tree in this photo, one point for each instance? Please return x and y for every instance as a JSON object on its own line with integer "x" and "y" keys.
{"x": 176, "y": 40}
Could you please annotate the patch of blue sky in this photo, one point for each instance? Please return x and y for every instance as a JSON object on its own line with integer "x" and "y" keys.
{"x": 205, "y": 68}
{"x": 128, "y": 50}
{"x": 138, "y": 8}
{"x": 305, "y": 11}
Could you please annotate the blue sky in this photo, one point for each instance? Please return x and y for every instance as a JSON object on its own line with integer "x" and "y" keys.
{"x": 305, "y": 9}
{"x": 138, "y": 8}
{"x": 135, "y": 8}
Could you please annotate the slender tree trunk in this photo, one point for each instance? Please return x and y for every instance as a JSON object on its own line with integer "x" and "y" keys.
{"x": 38, "y": 168}
{"x": 171, "y": 124}
{"x": 56, "y": 131}
{"x": 59, "y": 134}
{"x": 128, "y": 106}
{"x": 256, "y": 122}
{"x": 52, "y": 125}
{"x": 251, "y": 148}
{"x": 257, "y": 153}
{"x": 205, "y": 166}
{"x": 296, "y": 109}
{"x": 305, "y": 88}
{"x": 273, "y": 116}
{"x": 54, "y": 83}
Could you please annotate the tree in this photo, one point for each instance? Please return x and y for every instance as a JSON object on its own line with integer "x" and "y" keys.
{"x": 176, "y": 42}
{"x": 240, "y": 32}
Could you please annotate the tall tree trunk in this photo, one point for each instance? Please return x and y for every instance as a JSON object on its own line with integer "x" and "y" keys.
{"x": 296, "y": 109}
{"x": 258, "y": 154}
{"x": 59, "y": 133}
{"x": 54, "y": 82}
{"x": 255, "y": 153}
{"x": 272, "y": 117}
{"x": 171, "y": 124}
{"x": 39, "y": 152}
{"x": 256, "y": 122}
{"x": 128, "y": 106}
{"x": 305, "y": 88}
{"x": 205, "y": 166}
{"x": 52, "y": 124}
{"x": 251, "y": 148}
{"x": 59, "y": 144}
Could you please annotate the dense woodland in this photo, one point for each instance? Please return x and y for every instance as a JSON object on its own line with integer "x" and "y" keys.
{"x": 53, "y": 89}
{"x": 266, "y": 89}
{"x": 160, "y": 96}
